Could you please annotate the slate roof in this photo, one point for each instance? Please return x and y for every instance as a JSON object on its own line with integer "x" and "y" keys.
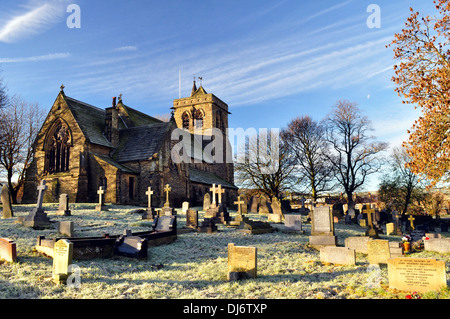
{"x": 142, "y": 142}
{"x": 203, "y": 177}
{"x": 91, "y": 120}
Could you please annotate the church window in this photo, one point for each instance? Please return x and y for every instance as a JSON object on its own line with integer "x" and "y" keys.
{"x": 198, "y": 118}
{"x": 57, "y": 153}
{"x": 186, "y": 120}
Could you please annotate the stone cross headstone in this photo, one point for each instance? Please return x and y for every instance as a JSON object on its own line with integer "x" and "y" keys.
{"x": 411, "y": 219}
{"x": 38, "y": 218}
{"x": 206, "y": 201}
{"x": 242, "y": 262}
{"x": 213, "y": 191}
{"x": 101, "y": 201}
{"x": 220, "y": 192}
{"x": 167, "y": 190}
{"x": 149, "y": 194}
{"x": 6, "y": 203}
{"x": 62, "y": 259}
{"x": 63, "y": 209}
{"x": 150, "y": 212}
{"x": 416, "y": 274}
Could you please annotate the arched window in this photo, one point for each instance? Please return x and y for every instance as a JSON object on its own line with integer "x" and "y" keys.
{"x": 198, "y": 119}
{"x": 57, "y": 152}
{"x": 185, "y": 118}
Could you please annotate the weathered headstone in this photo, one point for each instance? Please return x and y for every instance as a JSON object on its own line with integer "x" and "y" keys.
{"x": 264, "y": 208}
{"x": 322, "y": 228}
{"x": 338, "y": 255}
{"x": 416, "y": 274}
{"x": 293, "y": 224}
{"x": 242, "y": 262}
{"x": 63, "y": 209}
{"x": 164, "y": 223}
{"x": 396, "y": 249}
{"x": 277, "y": 215}
{"x": 371, "y": 230}
{"x": 390, "y": 228}
{"x": 439, "y": 245}
{"x": 8, "y": 250}
{"x": 378, "y": 251}
{"x": 37, "y": 218}
{"x": 65, "y": 228}
{"x": 206, "y": 201}
{"x": 6, "y": 203}
{"x": 207, "y": 226}
{"x": 185, "y": 207}
{"x": 131, "y": 246}
{"x": 358, "y": 243}
{"x": 62, "y": 259}
{"x": 254, "y": 204}
{"x": 192, "y": 218}
{"x": 101, "y": 200}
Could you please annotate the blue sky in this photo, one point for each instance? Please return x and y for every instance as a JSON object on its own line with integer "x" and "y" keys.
{"x": 269, "y": 60}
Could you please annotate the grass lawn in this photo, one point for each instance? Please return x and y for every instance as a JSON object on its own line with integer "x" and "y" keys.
{"x": 195, "y": 265}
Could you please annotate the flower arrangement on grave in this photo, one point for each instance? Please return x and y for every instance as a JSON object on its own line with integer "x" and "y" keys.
{"x": 406, "y": 243}
{"x": 414, "y": 295}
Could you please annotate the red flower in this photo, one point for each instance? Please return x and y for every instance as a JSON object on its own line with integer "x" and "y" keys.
{"x": 408, "y": 297}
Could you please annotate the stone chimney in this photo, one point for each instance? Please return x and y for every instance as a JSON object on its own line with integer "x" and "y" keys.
{"x": 112, "y": 124}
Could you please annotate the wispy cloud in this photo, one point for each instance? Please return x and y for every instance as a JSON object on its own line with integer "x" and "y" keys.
{"x": 126, "y": 48}
{"x": 47, "y": 57}
{"x": 36, "y": 17}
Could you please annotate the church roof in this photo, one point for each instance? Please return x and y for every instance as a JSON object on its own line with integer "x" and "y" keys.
{"x": 141, "y": 142}
{"x": 91, "y": 120}
{"x": 208, "y": 178}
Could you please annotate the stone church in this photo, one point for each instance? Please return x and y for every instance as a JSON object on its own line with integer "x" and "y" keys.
{"x": 81, "y": 147}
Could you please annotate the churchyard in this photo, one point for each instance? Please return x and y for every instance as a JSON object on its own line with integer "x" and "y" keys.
{"x": 195, "y": 265}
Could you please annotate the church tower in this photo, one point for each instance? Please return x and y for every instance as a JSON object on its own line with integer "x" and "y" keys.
{"x": 201, "y": 111}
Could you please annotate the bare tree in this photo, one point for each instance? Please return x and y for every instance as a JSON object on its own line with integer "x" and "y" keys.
{"x": 264, "y": 164}
{"x": 354, "y": 154}
{"x": 305, "y": 138}
{"x": 19, "y": 124}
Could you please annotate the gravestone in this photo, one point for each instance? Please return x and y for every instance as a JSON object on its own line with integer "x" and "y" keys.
{"x": 338, "y": 255}
{"x": 185, "y": 207}
{"x": 131, "y": 246}
{"x": 293, "y": 224}
{"x": 397, "y": 223}
{"x": 358, "y": 243}
{"x": 62, "y": 259}
{"x": 150, "y": 213}
{"x": 277, "y": 215}
{"x": 167, "y": 190}
{"x": 254, "y": 204}
{"x": 322, "y": 228}
{"x": 264, "y": 207}
{"x": 206, "y": 201}
{"x": 37, "y": 218}
{"x": 192, "y": 218}
{"x": 378, "y": 251}
{"x": 65, "y": 228}
{"x": 371, "y": 231}
{"x": 390, "y": 229}
{"x": 8, "y": 250}
{"x": 242, "y": 262}
{"x": 396, "y": 249}
{"x": 207, "y": 226}
{"x": 6, "y": 203}
{"x": 242, "y": 206}
{"x": 238, "y": 220}
{"x": 63, "y": 209}
{"x": 101, "y": 201}
{"x": 439, "y": 245}
{"x": 416, "y": 274}
{"x": 164, "y": 223}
